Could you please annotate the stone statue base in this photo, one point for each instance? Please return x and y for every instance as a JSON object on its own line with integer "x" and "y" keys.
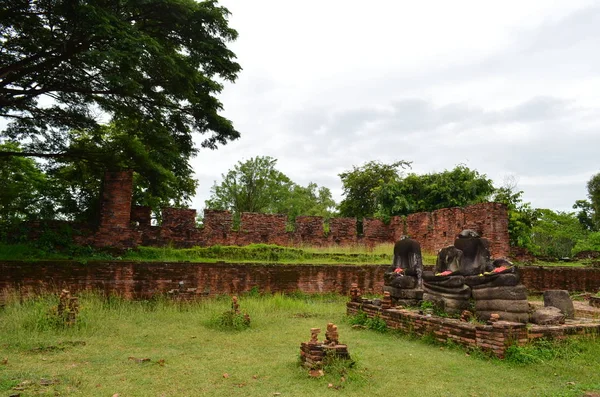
{"x": 403, "y": 296}
{"x": 500, "y": 294}
{"x": 449, "y": 293}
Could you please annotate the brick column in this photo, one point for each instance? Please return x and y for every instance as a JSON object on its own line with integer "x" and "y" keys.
{"x": 115, "y": 203}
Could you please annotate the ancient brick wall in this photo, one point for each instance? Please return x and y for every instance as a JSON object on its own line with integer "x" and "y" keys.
{"x": 309, "y": 230}
{"x": 494, "y": 338}
{"x": 342, "y": 231}
{"x": 262, "y": 228}
{"x": 538, "y": 279}
{"x": 124, "y": 226}
{"x": 141, "y": 215}
{"x": 143, "y": 280}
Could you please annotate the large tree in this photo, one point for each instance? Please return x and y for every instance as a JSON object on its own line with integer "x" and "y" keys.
{"x": 22, "y": 187}
{"x": 593, "y": 187}
{"x": 381, "y": 191}
{"x": 458, "y": 187}
{"x": 555, "y": 234}
{"x": 362, "y": 184}
{"x": 589, "y": 210}
{"x": 255, "y": 185}
{"x": 521, "y": 216}
{"x": 151, "y": 67}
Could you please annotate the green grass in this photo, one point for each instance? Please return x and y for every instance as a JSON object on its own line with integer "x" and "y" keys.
{"x": 558, "y": 263}
{"x": 189, "y": 354}
{"x": 254, "y": 253}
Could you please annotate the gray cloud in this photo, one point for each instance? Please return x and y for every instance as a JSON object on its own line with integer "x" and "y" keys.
{"x": 528, "y": 108}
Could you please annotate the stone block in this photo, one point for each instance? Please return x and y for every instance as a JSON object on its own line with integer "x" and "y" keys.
{"x": 561, "y": 300}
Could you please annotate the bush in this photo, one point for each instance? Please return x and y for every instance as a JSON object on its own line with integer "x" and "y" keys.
{"x": 591, "y": 243}
{"x": 555, "y": 234}
{"x": 376, "y": 323}
{"x": 233, "y": 321}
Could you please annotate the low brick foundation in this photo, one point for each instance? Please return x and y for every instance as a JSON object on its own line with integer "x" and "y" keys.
{"x": 495, "y": 337}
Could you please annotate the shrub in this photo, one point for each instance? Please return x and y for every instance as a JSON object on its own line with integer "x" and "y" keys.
{"x": 591, "y": 243}
{"x": 230, "y": 320}
{"x": 376, "y": 323}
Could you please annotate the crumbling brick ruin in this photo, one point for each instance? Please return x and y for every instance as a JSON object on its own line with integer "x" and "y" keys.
{"x": 124, "y": 226}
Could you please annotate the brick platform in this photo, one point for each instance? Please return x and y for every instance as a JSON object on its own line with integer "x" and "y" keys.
{"x": 495, "y": 337}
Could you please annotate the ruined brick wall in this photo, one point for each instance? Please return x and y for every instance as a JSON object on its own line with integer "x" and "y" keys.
{"x": 262, "y": 228}
{"x": 438, "y": 229}
{"x": 124, "y": 226}
{"x": 142, "y": 215}
{"x": 143, "y": 280}
{"x": 309, "y": 230}
{"x": 218, "y": 227}
{"x": 115, "y": 201}
{"x": 342, "y": 231}
{"x": 538, "y": 279}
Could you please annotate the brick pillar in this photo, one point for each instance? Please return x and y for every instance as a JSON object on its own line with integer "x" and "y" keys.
{"x": 115, "y": 203}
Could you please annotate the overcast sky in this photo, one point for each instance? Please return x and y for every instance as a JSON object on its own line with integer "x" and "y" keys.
{"x": 509, "y": 88}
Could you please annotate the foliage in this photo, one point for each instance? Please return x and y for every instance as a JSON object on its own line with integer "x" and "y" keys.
{"x": 156, "y": 64}
{"x": 22, "y": 186}
{"x": 585, "y": 215}
{"x": 375, "y": 323}
{"x": 458, "y": 187}
{"x": 232, "y": 321}
{"x": 590, "y": 243}
{"x": 589, "y": 210}
{"x": 176, "y": 333}
{"x": 361, "y": 185}
{"x": 163, "y": 176}
{"x": 256, "y": 185}
{"x": 555, "y": 234}
{"x": 593, "y": 187}
{"x": 521, "y": 217}
{"x": 43, "y": 316}
{"x": 543, "y": 350}
{"x": 256, "y": 253}
{"x": 359, "y": 318}
{"x": 151, "y": 68}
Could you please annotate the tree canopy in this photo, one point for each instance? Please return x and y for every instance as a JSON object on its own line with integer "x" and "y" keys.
{"x": 362, "y": 184}
{"x": 412, "y": 193}
{"x": 381, "y": 191}
{"x": 155, "y": 63}
{"x": 521, "y": 216}
{"x": 256, "y": 185}
{"x": 22, "y": 184}
{"x": 150, "y": 68}
{"x": 589, "y": 210}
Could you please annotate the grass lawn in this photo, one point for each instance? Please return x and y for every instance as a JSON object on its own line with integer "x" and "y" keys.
{"x": 100, "y": 355}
